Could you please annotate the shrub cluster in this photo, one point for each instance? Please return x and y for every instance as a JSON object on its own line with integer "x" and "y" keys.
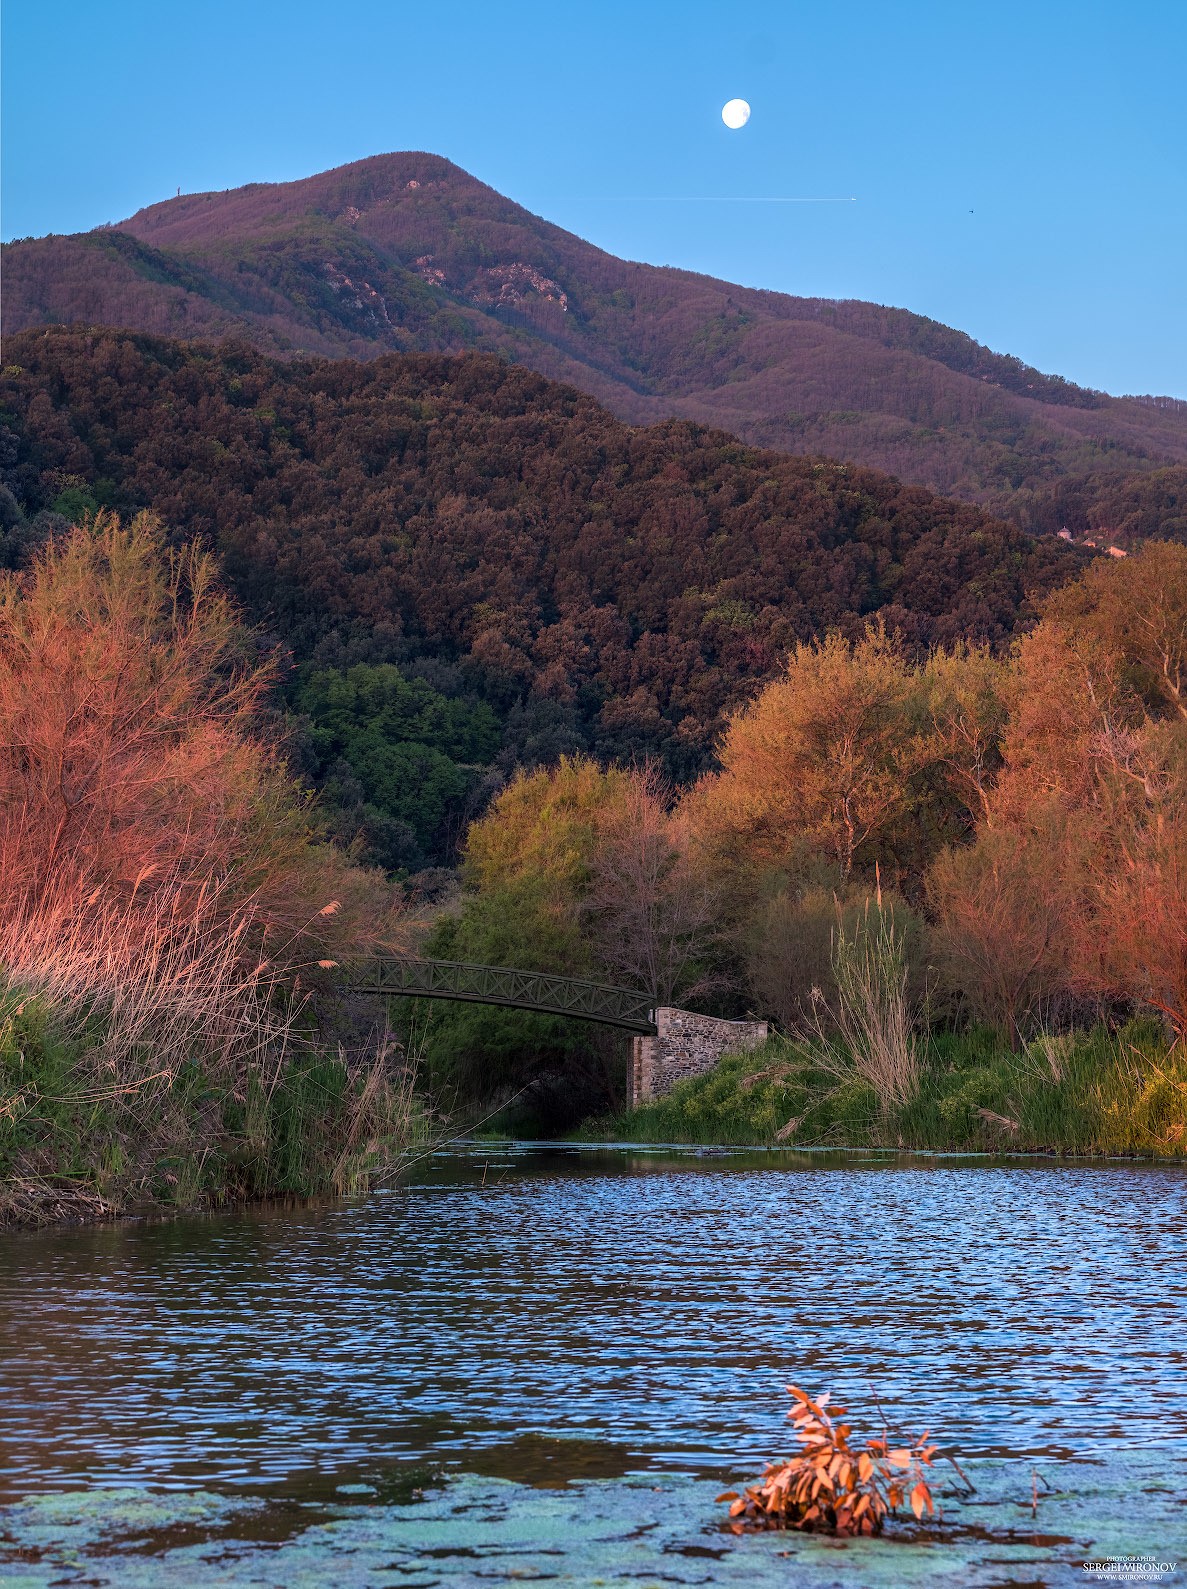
{"x": 166, "y": 905}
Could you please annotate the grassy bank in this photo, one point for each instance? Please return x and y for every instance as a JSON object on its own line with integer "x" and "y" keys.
{"x": 1099, "y": 1092}
{"x": 88, "y": 1131}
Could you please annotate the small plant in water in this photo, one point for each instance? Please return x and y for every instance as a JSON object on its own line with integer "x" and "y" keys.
{"x": 830, "y": 1487}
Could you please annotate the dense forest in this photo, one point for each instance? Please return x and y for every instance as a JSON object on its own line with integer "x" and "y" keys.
{"x": 405, "y": 252}
{"x": 1115, "y": 509}
{"x": 473, "y": 568}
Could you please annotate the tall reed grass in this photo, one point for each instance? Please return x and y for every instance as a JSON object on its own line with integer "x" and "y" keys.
{"x": 868, "y": 1032}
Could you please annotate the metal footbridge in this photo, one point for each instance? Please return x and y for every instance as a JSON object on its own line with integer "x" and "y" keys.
{"x": 517, "y": 990}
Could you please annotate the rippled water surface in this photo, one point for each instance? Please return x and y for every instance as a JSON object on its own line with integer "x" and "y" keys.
{"x": 646, "y": 1307}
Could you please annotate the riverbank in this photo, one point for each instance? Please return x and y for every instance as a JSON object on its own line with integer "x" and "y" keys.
{"x": 83, "y": 1137}
{"x": 314, "y": 1122}
{"x": 1087, "y": 1093}
{"x": 170, "y": 904}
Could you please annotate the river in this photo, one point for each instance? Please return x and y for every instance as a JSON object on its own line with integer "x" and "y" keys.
{"x": 540, "y": 1362}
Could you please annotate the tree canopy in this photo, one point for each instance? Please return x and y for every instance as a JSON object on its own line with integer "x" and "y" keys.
{"x": 601, "y": 589}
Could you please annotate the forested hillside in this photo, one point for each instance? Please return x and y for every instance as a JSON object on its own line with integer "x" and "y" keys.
{"x": 407, "y": 252}
{"x": 480, "y": 566}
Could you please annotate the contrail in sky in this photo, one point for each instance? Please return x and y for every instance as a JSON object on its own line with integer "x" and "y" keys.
{"x": 685, "y": 198}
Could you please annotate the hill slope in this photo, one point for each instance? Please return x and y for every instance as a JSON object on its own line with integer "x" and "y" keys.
{"x": 406, "y": 252}
{"x": 615, "y": 587}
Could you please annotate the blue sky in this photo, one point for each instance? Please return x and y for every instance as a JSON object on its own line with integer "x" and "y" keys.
{"x": 1019, "y": 170}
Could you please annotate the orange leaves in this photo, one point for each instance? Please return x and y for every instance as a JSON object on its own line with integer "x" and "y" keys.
{"x": 1079, "y": 883}
{"x": 824, "y": 755}
{"x": 829, "y": 1487}
{"x": 131, "y": 710}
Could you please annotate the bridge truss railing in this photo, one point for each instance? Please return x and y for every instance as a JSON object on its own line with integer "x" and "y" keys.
{"x": 519, "y": 990}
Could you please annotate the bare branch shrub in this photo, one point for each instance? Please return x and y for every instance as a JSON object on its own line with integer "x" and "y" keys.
{"x": 1001, "y": 937}
{"x": 652, "y": 907}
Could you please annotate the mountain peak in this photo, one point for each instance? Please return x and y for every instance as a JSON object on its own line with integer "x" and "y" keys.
{"x": 406, "y": 252}
{"x": 360, "y": 186}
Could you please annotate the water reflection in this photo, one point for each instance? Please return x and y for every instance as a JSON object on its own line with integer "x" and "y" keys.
{"x": 650, "y": 1302}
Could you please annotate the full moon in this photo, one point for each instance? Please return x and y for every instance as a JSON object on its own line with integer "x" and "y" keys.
{"x": 736, "y": 113}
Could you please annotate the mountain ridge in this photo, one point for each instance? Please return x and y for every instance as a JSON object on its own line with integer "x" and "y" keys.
{"x": 405, "y": 252}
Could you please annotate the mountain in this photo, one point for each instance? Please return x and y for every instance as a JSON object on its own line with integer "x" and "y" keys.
{"x": 406, "y": 252}
{"x": 498, "y": 537}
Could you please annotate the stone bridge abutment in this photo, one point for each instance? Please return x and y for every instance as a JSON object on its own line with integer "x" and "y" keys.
{"x": 685, "y": 1044}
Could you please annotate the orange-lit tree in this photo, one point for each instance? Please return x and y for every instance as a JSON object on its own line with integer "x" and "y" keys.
{"x": 146, "y": 829}
{"x": 1080, "y": 882}
{"x": 855, "y": 757}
